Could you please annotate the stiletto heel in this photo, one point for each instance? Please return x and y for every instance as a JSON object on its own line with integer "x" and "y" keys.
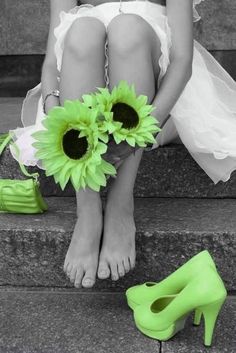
{"x": 197, "y": 317}
{"x": 210, "y": 313}
{"x": 164, "y": 317}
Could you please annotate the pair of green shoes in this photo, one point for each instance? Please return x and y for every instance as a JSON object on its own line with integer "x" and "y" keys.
{"x": 160, "y": 309}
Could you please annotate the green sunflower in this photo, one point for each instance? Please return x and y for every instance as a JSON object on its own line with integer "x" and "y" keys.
{"x": 70, "y": 146}
{"x": 124, "y": 115}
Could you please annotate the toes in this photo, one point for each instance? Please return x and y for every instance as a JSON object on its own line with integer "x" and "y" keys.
{"x": 65, "y": 266}
{"x": 132, "y": 262}
{"x": 89, "y": 278}
{"x": 103, "y": 270}
{"x": 78, "y": 278}
{"x": 114, "y": 271}
{"x": 121, "y": 270}
{"x": 126, "y": 264}
{"x": 68, "y": 269}
{"x": 73, "y": 274}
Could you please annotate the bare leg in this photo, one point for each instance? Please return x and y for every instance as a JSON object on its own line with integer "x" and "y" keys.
{"x": 130, "y": 59}
{"x": 83, "y": 58}
{"x": 83, "y": 70}
{"x": 118, "y": 248}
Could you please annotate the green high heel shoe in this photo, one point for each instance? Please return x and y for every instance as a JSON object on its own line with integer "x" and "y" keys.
{"x": 172, "y": 284}
{"x": 205, "y": 293}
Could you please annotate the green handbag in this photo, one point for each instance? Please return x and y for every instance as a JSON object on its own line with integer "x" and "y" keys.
{"x": 20, "y": 196}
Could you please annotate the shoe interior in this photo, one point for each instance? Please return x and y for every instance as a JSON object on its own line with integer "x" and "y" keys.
{"x": 150, "y": 284}
{"x": 161, "y": 303}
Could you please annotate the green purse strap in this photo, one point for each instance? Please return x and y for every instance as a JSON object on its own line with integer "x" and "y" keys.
{"x": 4, "y": 140}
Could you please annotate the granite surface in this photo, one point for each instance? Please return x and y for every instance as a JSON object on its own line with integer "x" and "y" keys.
{"x": 10, "y": 113}
{"x": 191, "y": 340}
{"x": 24, "y": 26}
{"x": 168, "y": 233}
{"x": 19, "y": 73}
{"x": 217, "y": 28}
{"x": 167, "y": 171}
{"x": 69, "y": 323}
{"x": 65, "y": 322}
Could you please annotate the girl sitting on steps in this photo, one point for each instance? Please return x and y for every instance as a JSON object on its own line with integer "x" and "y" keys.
{"x": 148, "y": 44}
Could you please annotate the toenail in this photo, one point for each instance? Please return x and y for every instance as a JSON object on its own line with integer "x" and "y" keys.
{"x": 103, "y": 273}
{"x": 87, "y": 281}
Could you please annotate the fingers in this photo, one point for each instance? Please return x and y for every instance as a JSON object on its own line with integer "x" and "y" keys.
{"x": 118, "y": 163}
{"x": 116, "y": 152}
{"x": 111, "y": 158}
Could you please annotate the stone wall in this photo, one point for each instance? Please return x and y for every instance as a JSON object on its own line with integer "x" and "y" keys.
{"x": 24, "y": 29}
{"x": 24, "y": 26}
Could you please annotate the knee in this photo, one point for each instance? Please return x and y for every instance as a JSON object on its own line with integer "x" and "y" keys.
{"x": 84, "y": 37}
{"x": 126, "y": 33}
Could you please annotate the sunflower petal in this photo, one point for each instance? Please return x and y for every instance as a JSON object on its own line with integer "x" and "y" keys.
{"x": 92, "y": 183}
{"x": 142, "y": 100}
{"x": 104, "y": 137}
{"x": 145, "y": 110}
{"x": 88, "y": 100}
{"x": 99, "y": 177}
{"x": 131, "y": 141}
{"x": 142, "y": 144}
{"x": 147, "y": 121}
{"x": 76, "y": 177}
{"x": 108, "y": 168}
{"x": 149, "y": 138}
{"x": 101, "y": 148}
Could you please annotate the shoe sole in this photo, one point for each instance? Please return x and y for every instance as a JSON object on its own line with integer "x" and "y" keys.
{"x": 165, "y": 334}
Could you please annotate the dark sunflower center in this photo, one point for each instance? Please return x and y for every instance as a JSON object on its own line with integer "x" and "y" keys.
{"x": 74, "y": 147}
{"x": 125, "y": 114}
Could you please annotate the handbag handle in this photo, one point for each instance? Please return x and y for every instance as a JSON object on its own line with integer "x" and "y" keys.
{"x": 4, "y": 140}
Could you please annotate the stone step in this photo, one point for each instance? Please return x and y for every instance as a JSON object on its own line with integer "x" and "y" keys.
{"x": 168, "y": 171}
{"x": 72, "y": 322}
{"x": 168, "y": 233}
{"x": 20, "y": 73}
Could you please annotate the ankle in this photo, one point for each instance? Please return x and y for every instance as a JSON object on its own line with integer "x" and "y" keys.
{"x": 122, "y": 201}
{"x": 87, "y": 196}
{"x": 90, "y": 203}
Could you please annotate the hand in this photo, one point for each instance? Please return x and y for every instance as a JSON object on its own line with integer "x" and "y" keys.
{"x": 117, "y": 153}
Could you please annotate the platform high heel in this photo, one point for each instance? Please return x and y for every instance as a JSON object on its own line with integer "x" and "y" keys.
{"x": 172, "y": 284}
{"x": 205, "y": 293}
{"x": 170, "y": 331}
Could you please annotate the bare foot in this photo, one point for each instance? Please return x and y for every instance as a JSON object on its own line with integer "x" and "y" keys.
{"x": 117, "y": 255}
{"x": 81, "y": 260}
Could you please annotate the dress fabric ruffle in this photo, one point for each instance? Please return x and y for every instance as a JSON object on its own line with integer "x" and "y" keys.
{"x": 203, "y": 118}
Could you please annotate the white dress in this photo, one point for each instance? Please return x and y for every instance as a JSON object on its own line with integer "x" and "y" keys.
{"x": 203, "y": 118}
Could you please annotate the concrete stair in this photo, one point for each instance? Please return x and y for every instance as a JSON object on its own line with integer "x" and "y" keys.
{"x": 178, "y": 212}
{"x": 70, "y": 322}
{"x": 168, "y": 171}
{"x": 169, "y": 232}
